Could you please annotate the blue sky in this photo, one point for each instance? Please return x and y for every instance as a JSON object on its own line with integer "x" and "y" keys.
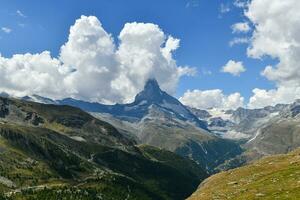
{"x": 204, "y": 33}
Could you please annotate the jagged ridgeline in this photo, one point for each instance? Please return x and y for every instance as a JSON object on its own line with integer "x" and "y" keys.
{"x": 60, "y": 152}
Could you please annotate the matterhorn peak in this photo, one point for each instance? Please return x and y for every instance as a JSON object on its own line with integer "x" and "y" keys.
{"x": 151, "y": 92}
{"x": 151, "y": 84}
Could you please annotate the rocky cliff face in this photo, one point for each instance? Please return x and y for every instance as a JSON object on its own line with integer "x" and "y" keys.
{"x": 3, "y": 108}
{"x": 280, "y": 134}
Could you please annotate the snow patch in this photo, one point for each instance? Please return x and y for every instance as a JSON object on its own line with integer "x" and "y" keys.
{"x": 205, "y": 151}
{"x": 257, "y": 134}
{"x": 215, "y": 112}
{"x": 235, "y": 135}
{"x": 78, "y": 138}
{"x": 179, "y": 109}
{"x": 144, "y": 102}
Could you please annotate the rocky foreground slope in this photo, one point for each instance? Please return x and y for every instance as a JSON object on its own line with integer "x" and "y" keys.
{"x": 274, "y": 177}
{"x": 60, "y": 152}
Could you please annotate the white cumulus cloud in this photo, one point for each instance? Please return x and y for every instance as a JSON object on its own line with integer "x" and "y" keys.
{"x": 205, "y": 99}
{"x": 91, "y": 66}
{"x": 241, "y": 3}
{"x": 262, "y": 98}
{"x": 238, "y": 40}
{"x": 21, "y": 14}
{"x": 276, "y": 34}
{"x": 234, "y": 68}
{"x": 25, "y": 74}
{"x": 6, "y": 30}
{"x": 89, "y": 62}
{"x": 224, "y": 8}
{"x": 241, "y": 27}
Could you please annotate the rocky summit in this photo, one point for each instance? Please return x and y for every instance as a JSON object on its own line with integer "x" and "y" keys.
{"x": 150, "y": 96}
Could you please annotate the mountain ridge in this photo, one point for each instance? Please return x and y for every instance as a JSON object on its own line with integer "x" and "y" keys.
{"x": 158, "y": 119}
{"x": 135, "y": 111}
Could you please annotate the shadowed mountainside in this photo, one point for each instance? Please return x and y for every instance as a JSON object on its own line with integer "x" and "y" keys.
{"x": 61, "y": 152}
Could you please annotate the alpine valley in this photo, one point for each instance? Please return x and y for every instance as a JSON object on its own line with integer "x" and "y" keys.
{"x": 152, "y": 148}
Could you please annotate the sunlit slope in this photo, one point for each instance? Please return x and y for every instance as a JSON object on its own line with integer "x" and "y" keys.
{"x": 275, "y": 177}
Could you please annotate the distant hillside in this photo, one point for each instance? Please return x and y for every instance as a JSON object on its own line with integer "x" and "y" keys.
{"x": 274, "y": 177}
{"x": 279, "y": 134}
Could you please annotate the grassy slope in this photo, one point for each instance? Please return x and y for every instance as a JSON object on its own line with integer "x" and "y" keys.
{"x": 274, "y": 177}
{"x": 68, "y": 120}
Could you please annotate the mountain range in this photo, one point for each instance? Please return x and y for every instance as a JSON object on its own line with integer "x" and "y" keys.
{"x": 154, "y": 131}
{"x": 158, "y": 119}
{"x": 216, "y": 139}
